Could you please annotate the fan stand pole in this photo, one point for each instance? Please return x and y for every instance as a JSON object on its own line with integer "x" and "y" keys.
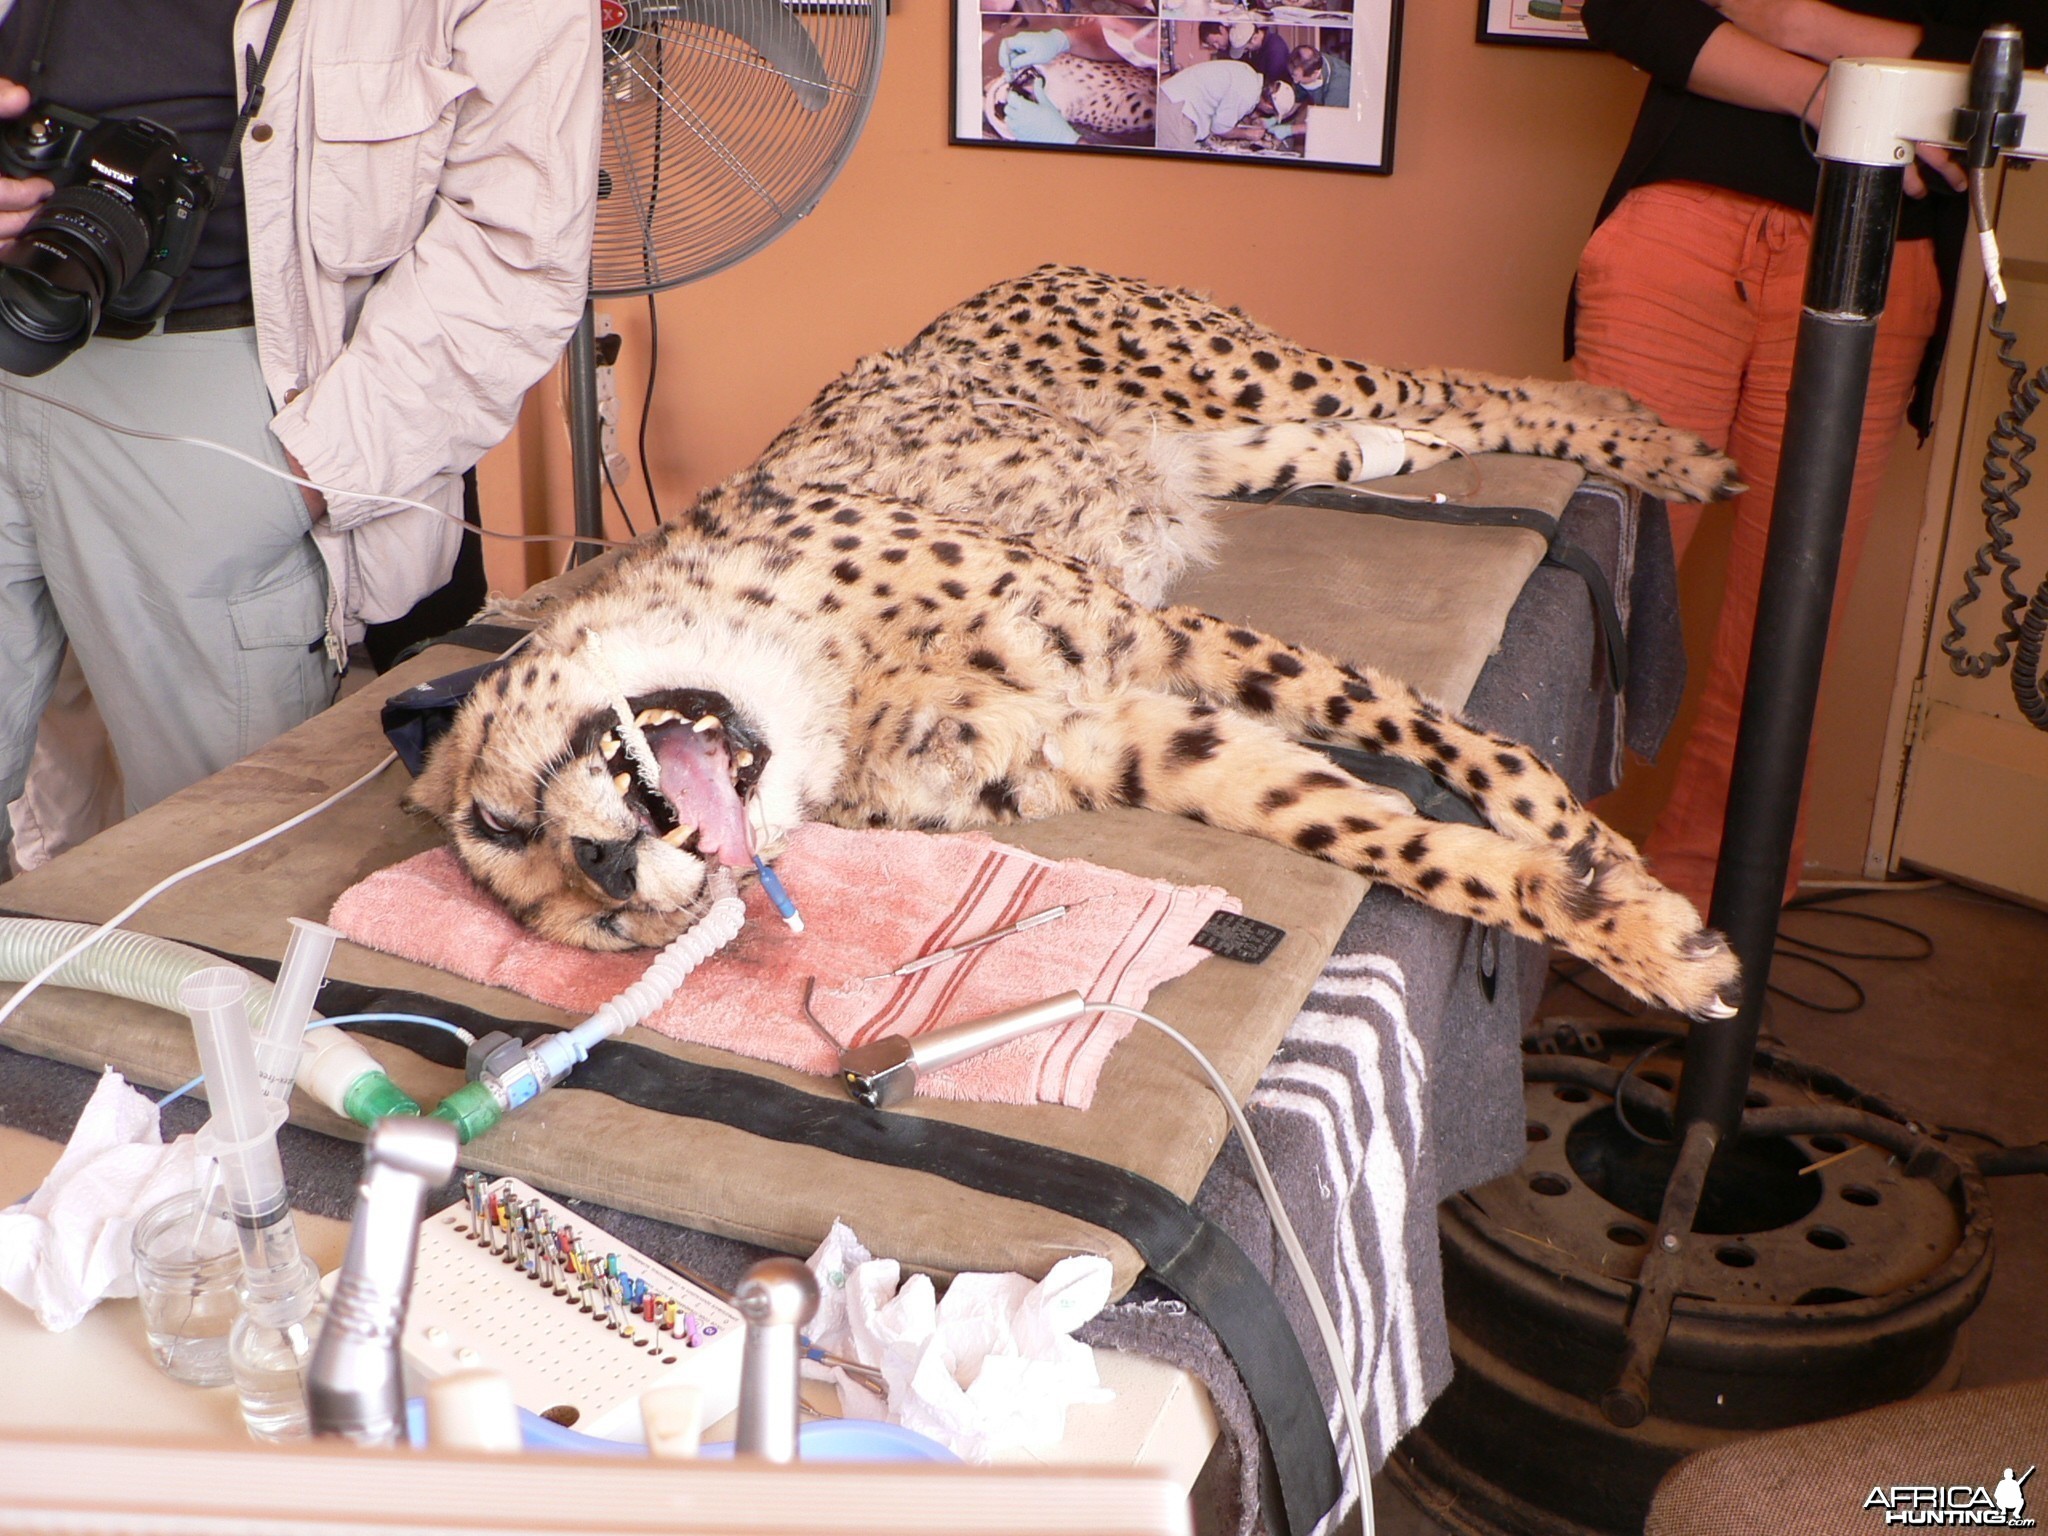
{"x": 586, "y": 472}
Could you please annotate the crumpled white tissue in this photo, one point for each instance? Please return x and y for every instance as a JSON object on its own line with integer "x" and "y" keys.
{"x": 990, "y": 1366}
{"x": 67, "y": 1246}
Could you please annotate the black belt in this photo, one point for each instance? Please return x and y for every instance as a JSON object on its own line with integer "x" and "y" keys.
{"x": 200, "y": 317}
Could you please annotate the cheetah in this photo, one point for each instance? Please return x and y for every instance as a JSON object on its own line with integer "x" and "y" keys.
{"x": 1110, "y": 97}
{"x": 936, "y": 602}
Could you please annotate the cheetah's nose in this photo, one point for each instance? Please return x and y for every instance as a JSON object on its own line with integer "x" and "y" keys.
{"x": 614, "y": 866}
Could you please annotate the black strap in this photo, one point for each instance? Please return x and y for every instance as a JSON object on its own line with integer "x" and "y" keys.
{"x": 1430, "y": 795}
{"x": 255, "y": 67}
{"x": 1558, "y": 551}
{"x": 1192, "y": 1256}
{"x": 493, "y": 639}
{"x": 1568, "y": 556}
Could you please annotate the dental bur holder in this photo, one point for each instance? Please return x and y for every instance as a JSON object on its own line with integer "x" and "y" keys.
{"x": 355, "y": 1388}
{"x": 884, "y": 1072}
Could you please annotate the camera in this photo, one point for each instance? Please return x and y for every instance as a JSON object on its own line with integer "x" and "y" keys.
{"x": 110, "y": 244}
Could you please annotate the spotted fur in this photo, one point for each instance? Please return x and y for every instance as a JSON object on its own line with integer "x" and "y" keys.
{"x": 933, "y": 602}
{"x": 1109, "y": 96}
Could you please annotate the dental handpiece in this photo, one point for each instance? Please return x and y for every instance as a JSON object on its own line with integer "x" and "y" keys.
{"x": 885, "y": 1072}
{"x": 355, "y": 1387}
{"x": 776, "y": 1297}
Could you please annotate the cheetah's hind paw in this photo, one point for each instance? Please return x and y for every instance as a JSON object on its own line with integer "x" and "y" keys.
{"x": 1674, "y": 464}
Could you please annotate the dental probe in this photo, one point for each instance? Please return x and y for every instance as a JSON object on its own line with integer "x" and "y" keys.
{"x": 940, "y": 956}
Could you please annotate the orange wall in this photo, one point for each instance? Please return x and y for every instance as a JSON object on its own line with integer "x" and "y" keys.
{"x": 1462, "y": 257}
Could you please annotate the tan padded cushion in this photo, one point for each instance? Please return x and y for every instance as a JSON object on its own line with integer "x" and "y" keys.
{"x": 1421, "y": 601}
{"x": 1424, "y": 602}
{"x": 1815, "y": 1480}
{"x": 1154, "y": 1114}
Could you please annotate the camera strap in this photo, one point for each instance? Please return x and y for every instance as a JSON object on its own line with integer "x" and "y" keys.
{"x": 254, "y": 67}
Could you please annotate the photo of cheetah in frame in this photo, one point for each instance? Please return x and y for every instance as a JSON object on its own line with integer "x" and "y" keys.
{"x": 933, "y": 602}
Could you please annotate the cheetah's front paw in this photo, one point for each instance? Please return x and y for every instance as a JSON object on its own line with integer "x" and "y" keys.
{"x": 1612, "y": 912}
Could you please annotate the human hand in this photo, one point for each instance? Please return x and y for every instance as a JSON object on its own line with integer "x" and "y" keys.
{"x": 1816, "y": 30}
{"x": 1783, "y": 24}
{"x": 1033, "y": 122}
{"x": 1027, "y": 48}
{"x": 316, "y": 501}
{"x": 18, "y": 198}
{"x": 1934, "y": 161}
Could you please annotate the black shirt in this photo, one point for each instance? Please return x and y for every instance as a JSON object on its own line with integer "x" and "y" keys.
{"x": 1680, "y": 136}
{"x": 172, "y": 61}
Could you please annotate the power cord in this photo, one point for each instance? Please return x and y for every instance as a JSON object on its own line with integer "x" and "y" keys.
{"x": 35, "y": 982}
{"x": 312, "y": 485}
{"x": 1333, "y": 1346}
{"x": 653, "y": 358}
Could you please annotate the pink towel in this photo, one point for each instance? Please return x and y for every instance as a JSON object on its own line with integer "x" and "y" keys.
{"x": 870, "y": 900}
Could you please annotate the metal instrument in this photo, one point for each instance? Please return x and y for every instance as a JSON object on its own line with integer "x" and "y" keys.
{"x": 884, "y": 1072}
{"x": 776, "y": 1297}
{"x": 355, "y": 1387}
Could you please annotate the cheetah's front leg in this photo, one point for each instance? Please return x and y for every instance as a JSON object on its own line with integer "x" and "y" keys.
{"x": 1305, "y": 693}
{"x": 1194, "y": 759}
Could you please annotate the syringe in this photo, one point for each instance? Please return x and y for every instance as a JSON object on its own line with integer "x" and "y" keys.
{"x": 269, "y": 1345}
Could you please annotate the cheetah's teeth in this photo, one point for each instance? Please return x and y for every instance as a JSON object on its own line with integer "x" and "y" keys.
{"x": 706, "y": 723}
{"x": 744, "y": 760}
{"x": 622, "y": 782}
{"x": 609, "y": 743}
{"x": 674, "y": 836}
{"x": 656, "y": 717}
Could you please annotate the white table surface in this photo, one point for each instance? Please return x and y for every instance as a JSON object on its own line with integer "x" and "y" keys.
{"x": 99, "y": 1377}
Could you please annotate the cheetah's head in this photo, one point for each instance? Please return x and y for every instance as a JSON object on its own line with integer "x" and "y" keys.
{"x": 537, "y": 788}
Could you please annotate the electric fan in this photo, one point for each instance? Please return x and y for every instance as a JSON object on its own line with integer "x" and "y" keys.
{"x": 724, "y": 123}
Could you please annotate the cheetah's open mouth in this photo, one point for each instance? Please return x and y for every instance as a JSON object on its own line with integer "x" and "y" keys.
{"x": 709, "y": 761}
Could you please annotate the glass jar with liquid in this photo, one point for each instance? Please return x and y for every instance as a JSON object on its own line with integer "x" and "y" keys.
{"x": 186, "y": 1271}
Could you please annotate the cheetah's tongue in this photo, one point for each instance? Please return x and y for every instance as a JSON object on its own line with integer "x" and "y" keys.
{"x": 696, "y": 776}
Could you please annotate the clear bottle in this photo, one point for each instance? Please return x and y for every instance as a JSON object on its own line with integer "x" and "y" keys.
{"x": 186, "y": 1275}
{"x": 270, "y": 1348}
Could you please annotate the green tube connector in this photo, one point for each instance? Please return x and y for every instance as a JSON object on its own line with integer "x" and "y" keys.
{"x": 471, "y": 1109}
{"x": 373, "y": 1096}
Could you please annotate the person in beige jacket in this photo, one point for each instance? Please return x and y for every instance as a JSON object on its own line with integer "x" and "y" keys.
{"x": 400, "y": 258}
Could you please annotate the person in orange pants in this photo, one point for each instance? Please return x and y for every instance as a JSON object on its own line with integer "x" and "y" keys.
{"x": 1660, "y": 316}
{"x": 1688, "y": 293}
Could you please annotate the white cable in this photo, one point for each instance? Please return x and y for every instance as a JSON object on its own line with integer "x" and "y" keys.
{"x": 34, "y": 982}
{"x": 312, "y": 485}
{"x": 1325, "y": 1325}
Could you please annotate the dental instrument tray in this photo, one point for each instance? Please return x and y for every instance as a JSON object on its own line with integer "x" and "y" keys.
{"x": 580, "y": 1325}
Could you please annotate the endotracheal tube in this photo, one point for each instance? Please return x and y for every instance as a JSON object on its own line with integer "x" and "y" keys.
{"x": 506, "y": 1072}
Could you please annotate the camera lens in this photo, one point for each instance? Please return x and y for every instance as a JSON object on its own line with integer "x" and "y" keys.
{"x": 40, "y": 310}
{"x": 83, "y": 244}
{"x": 108, "y": 231}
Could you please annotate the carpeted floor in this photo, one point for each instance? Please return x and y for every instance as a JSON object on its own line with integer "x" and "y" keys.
{"x": 1960, "y": 1037}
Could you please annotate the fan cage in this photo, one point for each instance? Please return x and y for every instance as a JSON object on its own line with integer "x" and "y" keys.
{"x": 724, "y": 123}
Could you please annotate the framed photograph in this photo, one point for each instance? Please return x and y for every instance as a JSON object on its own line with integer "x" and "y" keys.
{"x": 1544, "y": 23}
{"x": 1309, "y": 82}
